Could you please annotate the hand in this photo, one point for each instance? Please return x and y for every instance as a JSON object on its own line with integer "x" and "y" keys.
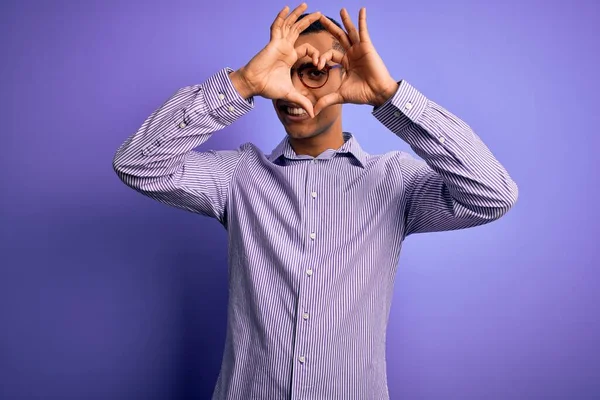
{"x": 267, "y": 74}
{"x": 366, "y": 79}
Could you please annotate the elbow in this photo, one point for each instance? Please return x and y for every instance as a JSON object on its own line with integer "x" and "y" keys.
{"x": 123, "y": 168}
{"x": 118, "y": 166}
{"x": 506, "y": 200}
{"x": 511, "y": 196}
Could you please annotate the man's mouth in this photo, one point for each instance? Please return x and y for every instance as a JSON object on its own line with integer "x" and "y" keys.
{"x": 291, "y": 111}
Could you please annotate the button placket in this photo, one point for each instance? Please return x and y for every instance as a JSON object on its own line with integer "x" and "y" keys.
{"x": 304, "y": 305}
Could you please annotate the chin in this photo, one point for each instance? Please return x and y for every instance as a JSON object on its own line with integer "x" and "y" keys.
{"x": 300, "y": 132}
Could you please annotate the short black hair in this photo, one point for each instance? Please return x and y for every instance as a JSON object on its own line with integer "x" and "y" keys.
{"x": 316, "y": 26}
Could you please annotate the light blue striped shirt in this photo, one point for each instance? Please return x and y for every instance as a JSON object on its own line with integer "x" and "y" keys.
{"x": 314, "y": 243}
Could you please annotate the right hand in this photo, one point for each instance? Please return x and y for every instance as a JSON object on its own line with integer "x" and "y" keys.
{"x": 268, "y": 72}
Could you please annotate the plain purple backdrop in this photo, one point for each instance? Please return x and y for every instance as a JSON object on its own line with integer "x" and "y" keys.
{"x": 105, "y": 294}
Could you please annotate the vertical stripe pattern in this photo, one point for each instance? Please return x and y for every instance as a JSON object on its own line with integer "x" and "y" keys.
{"x": 314, "y": 243}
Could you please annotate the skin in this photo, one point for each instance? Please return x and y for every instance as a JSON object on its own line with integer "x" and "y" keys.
{"x": 365, "y": 78}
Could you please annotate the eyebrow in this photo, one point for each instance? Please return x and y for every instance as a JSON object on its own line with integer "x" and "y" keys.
{"x": 306, "y": 64}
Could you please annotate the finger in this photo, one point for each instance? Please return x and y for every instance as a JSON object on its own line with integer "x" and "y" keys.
{"x": 301, "y": 25}
{"x": 362, "y": 26}
{"x": 337, "y": 32}
{"x": 303, "y": 101}
{"x": 278, "y": 23}
{"x": 307, "y": 50}
{"x": 330, "y": 55}
{"x": 328, "y": 100}
{"x": 293, "y": 17}
{"x": 350, "y": 28}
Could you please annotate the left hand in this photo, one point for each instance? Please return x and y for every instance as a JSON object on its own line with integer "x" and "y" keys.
{"x": 366, "y": 79}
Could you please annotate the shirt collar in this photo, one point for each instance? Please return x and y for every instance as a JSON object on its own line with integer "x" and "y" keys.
{"x": 350, "y": 146}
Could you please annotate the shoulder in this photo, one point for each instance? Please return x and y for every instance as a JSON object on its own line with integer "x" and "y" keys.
{"x": 394, "y": 160}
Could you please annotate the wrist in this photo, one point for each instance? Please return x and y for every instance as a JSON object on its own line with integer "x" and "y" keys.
{"x": 239, "y": 81}
{"x": 385, "y": 94}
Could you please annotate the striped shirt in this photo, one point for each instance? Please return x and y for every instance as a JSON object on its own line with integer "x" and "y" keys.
{"x": 314, "y": 242}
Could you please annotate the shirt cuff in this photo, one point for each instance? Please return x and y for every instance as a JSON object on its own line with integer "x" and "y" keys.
{"x": 222, "y": 99}
{"x": 405, "y": 107}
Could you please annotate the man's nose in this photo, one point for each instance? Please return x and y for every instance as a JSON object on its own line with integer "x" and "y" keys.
{"x": 301, "y": 88}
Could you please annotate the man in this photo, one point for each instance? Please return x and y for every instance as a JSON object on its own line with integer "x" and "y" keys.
{"x": 316, "y": 227}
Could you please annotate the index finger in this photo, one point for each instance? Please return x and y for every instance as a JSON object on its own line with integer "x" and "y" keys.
{"x": 347, "y": 21}
{"x": 278, "y": 23}
{"x": 291, "y": 19}
{"x": 304, "y": 23}
{"x": 336, "y": 31}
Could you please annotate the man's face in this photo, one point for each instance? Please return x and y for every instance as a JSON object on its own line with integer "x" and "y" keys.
{"x": 301, "y": 128}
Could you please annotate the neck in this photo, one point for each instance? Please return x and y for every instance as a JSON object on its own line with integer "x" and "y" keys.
{"x": 332, "y": 138}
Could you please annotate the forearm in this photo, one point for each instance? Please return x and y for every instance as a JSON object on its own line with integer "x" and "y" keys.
{"x": 185, "y": 121}
{"x": 472, "y": 175}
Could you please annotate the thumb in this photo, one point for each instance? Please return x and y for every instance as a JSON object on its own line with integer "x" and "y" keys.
{"x": 295, "y": 97}
{"x": 328, "y": 100}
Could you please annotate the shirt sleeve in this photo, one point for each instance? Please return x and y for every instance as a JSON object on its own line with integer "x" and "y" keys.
{"x": 459, "y": 183}
{"x": 159, "y": 161}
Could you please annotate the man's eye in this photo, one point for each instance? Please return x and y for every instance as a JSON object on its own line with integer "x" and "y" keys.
{"x": 315, "y": 73}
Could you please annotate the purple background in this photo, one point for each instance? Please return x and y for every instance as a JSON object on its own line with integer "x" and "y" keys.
{"x": 105, "y": 294}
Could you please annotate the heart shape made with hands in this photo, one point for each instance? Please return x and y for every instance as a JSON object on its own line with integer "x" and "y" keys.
{"x": 365, "y": 78}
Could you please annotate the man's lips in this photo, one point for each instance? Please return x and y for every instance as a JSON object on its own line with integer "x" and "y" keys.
{"x": 283, "y": 103}
{"x": 282, "y": 107}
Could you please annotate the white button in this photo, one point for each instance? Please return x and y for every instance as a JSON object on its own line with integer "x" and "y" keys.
{"x": 231, "y": 108}
{"x": 408, "y": 105}
{"x": 182, "y": 125}
{"x": 442, "y": 139}
{"x": 305, "y": 316}
{"x": 314, "y": 195}
{"x": 309, "y": 272}
{"x": 313, "y": 235}
{"x": 397, "y": 114}
{"x": 301, "y": 359}
{"x": 221, "y": 96}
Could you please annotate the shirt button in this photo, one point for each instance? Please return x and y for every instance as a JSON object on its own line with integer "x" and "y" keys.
{"x": 313, "y": 235}
{"x": 221, "y": 96}
{"x": 305, "y": 316}
{"x": 397, "y": 114}
{"x": 314, "y": 195}
{"x": 309, "y": 272}
{"x": 408, "y": 106}
{"x": 301, "y": 359}
{"x": 442, "y": 139}
{"x": 182, "y": 125}
{"x": 231, "y": 109}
